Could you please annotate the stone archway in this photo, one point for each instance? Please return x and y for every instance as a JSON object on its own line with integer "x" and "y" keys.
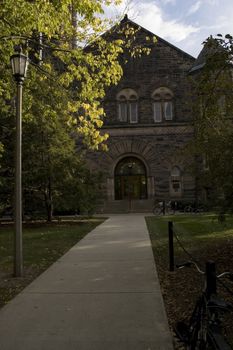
{"x": 130, "y": 179}
{"x": 118, "y": 150}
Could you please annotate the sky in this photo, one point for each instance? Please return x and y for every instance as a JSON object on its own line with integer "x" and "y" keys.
{"x": 183, "y": 23}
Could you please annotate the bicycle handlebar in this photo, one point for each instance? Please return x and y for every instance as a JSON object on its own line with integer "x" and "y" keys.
{"x": 228, "y": 274}
{"x": 191, "y": 263}
{"x": 185, "y": 264}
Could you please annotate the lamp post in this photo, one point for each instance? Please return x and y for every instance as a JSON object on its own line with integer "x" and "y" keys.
{"x": 19, "y": 63}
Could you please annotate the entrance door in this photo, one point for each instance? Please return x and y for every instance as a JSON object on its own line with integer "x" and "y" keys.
{"x": 130, "y": 179}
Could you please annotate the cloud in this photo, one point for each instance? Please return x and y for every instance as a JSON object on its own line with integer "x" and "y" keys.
{"x": 165, "y": 2}
{"x": 212, "y": 2}
{"x": 151, "y": 17}
{"x": 190, "y": 29}
{"x": 222, "y": 24}
{"x": 194, "y": 8}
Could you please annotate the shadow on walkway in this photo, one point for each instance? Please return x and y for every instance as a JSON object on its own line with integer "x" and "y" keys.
{"x": 103, "y": 294}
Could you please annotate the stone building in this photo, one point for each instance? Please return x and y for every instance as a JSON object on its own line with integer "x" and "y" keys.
{"x": 149, "y": 122}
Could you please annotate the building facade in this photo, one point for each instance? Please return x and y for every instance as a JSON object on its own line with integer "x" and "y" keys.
{"x": 149, "y": 122}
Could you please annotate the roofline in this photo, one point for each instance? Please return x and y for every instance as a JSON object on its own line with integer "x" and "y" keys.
{"x": 196, "y": 68}
{"x": 126, "y": 19}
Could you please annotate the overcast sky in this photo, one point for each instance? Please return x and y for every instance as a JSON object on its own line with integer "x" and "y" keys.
{"x": 184, "y": 23}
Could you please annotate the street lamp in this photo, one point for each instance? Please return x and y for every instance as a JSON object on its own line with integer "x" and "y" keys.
{"x": 19, "y": 63}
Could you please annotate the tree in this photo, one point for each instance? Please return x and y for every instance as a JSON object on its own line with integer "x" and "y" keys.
{"x": 67, "y": 27}
{"x": 63, "y": 89}
{"x": 213, "y": 120}
{"x": 71, "y": 65}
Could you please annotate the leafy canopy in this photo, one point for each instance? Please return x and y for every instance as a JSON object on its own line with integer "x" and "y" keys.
{"x": 213, "y": 118}
{"x": 81, "y": 76}
{"x": 72, "y": 63}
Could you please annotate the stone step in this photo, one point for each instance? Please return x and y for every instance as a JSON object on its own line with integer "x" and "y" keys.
{"x": 126, "y": 206}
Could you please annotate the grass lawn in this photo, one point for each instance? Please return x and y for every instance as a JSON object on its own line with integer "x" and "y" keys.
{"x": 43, "y": 243}
{"x": 204, "y": 238}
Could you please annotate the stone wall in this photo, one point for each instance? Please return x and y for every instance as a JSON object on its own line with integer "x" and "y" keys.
{"x": 164, "y": 66}
{"x": 160, "y": 146}
{"x": 160, "y": 149}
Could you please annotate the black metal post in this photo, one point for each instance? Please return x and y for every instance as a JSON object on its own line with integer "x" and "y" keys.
{"x": 211, "y": 282}
{"x": 18, "y": 261}
{"x": 19, "y": 63}
{"x": 171, "y": 246}
{"x": 164, "y": 208}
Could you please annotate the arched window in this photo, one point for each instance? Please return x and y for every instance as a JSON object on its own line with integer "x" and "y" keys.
{"x": 130, "y": 179}
{"x": 127, "y": 100}
{"x": 175, "y": 173}
{"x": 175, "y": 182}
{"x": 162, "y": 104}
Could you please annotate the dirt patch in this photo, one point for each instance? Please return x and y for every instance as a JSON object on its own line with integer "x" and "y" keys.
{"x": 10, "y": 286}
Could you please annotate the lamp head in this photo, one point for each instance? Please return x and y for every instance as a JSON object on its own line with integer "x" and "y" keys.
{"x": 19, "y": 64}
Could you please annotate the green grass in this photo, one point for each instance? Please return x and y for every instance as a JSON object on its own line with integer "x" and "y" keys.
{"x": 194, "y": 224}
{"x": 43, "y": 243}
{"x": 204, "y": 238}
{"x": 191, "y": 230}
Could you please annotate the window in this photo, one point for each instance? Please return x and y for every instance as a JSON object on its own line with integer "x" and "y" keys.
{"x": 162, "y": 104}
{"x": 175, "y": 182}
{"x": 205, "y": 162}
{"x": 122, "y": 109}
{"x": 168, "y": 110}
{"x": 157, "y": 112}
{"x": 127, "y": 100}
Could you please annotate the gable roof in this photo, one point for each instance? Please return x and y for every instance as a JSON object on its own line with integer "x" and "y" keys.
{"x": 127, "y": 20}
{"x": 210, "y": 48}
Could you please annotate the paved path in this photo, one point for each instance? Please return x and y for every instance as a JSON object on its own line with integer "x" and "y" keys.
{"x": 102, "y": 295}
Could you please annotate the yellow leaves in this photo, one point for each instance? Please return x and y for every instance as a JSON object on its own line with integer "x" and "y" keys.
{"x": 72, "y": 107}
{"x": 99, "y": 123}
{"x": 91, "y": 137}
{"x": 133, "y": 41}
{"x": 89, "y": 124}
{"x": 68, "y": 79}
{"x": 1, "y": 149}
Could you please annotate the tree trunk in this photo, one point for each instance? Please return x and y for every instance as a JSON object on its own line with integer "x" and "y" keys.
{"x": 49, "y": 201}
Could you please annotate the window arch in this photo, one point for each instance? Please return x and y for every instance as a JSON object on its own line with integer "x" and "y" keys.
{"x": 162, "y": 104}
{"x": 130, "y": 179}
{"x": 175, "y": 172}
{"x": 175, "y": 181}
{"x": 127, "y": 101}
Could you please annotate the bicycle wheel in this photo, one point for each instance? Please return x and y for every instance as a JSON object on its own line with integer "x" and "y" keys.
{"x": 205, "y": 335}
{"x": 170, "y": 211}
{"x": 199, "y": 340}
{"x": 157, "y": 211}
{"x": 216, "y": 340}
{"x": 188, "y": 209}
{"x": 198, "y": 326}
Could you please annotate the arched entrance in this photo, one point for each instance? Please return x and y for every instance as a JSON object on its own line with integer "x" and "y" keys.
{"x": 130, "y": 179}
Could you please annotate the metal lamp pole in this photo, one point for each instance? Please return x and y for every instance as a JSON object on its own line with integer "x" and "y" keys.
{"x": 19, "y": 63}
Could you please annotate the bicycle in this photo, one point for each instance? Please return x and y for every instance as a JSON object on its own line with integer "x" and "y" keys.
{"x": 163, "y": 207}
{"x": 189, "y": 209}
{"x": 204, "y": 331}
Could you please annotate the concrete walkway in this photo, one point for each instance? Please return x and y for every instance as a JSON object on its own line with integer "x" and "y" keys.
{"x": 102, "y": 295}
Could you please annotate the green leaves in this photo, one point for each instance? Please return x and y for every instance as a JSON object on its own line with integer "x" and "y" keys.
{"x": 70, "y": 67}
{"x": 213, "y": 119}
{"x": 79, "y": 76}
